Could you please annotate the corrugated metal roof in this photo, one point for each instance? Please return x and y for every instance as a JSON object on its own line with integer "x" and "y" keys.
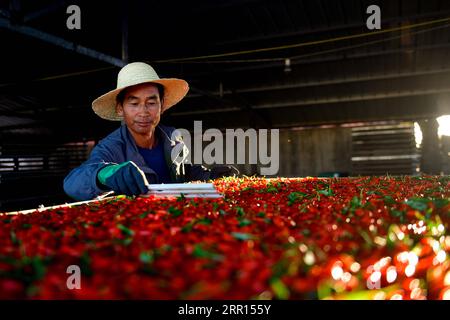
{"x": 388, "y": 76}
{"x": 13, "y": 121}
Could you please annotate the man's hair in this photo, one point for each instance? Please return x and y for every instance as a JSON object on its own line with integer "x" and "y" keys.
{"x": 121, "y": 96}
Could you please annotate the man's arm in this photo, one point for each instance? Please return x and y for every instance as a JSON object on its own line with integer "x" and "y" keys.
{"x": 82, "y": 183}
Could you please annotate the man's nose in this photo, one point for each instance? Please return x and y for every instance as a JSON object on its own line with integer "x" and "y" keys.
{"x": 144, "y": 108}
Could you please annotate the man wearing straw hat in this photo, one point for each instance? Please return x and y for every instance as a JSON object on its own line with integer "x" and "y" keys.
{"x": 140, "y": 152}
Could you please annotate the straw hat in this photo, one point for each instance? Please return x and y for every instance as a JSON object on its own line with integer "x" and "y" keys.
{"x": 138, "y": 73}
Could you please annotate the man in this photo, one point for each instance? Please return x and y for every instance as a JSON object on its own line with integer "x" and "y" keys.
{"x": 141, "y": 150}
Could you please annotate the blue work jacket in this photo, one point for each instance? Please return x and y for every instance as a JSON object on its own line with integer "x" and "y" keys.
{"x": 81, "y": 183}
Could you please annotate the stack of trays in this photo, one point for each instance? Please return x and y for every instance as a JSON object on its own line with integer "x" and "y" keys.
{"x": 189, "y": 190}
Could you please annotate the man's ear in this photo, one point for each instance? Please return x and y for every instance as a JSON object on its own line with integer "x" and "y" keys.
{"x": 162, "y": 104}
{"x": 119, "y": 109}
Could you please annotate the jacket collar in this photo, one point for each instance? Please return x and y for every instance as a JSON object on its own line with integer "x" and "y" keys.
{"x": 164, "y": 133}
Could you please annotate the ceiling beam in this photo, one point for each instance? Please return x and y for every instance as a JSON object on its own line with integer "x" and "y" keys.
{"x": 410, "y": 109}
{"x": 125, "y": 25}
{"x": 44, "y": 11}
{"x": 60, "y": 42}
{"x": 326, "y": 101}
{"x": 238, "y": 103}
{"x": 355, "y": 98}
{"x": 8, "y": 113}
{"x": 220, "y": 5}
{"x": 436, "y": 14}
{"x": 327, "y": 82}
{"x": 5, "y": 13}
{"x": 329, "y": 58}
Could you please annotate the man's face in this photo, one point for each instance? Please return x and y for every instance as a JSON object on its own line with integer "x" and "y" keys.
{"x": 141, "y": 108}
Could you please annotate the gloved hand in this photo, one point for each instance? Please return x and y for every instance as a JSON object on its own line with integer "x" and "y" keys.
{"x": 125, "y": 178}
{"x": 223, "y": 171}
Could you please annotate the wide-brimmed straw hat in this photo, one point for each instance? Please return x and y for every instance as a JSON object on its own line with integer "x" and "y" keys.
{"x": 133, "y": 74}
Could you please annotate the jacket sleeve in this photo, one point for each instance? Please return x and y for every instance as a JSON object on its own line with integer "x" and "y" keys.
{"x": 81, "y": 182}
